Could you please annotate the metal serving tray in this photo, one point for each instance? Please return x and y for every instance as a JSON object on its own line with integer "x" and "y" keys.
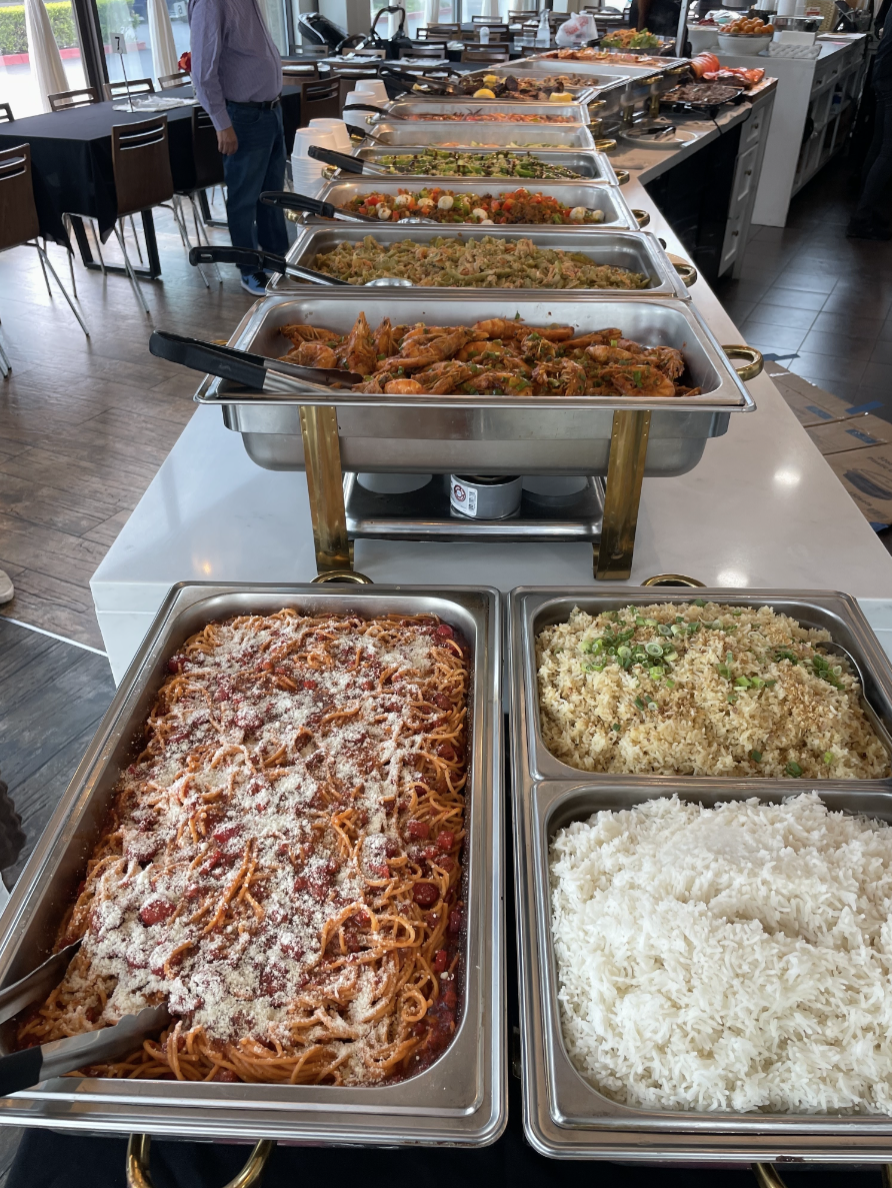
{"x": 604, "y": 74}
{"x": 589, "y": 165}
{"x": 638, "y": 251}
{"x": 523, "y": 137}
{"x": 593, "y": 195}
{"x": 401, "y": 108}
{"x": 564, "y": 1116}
{"x": 837, "y": 613}
{"x": 460, "y": 1100}
{"x": 501, "y": 70}
{"x": 484, "y": 434}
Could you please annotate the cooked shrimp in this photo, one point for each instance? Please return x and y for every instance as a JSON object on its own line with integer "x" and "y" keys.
{"x": 669, "y": 360}
{"x": 553, "y": 333}
{"x": 402, "y": 386}
{"x": 573, "y": 378}
{"x": 598, "y": 338}
{"x": 609, "y": 354}
{"x": 383, "y": 339}
{"x": 312, "y": 354}
{"x": 299, "y": 334}
{"x": 501, "y": 328}
{"x": 501, "y": 382}
{"x": 441, "y": 347}
{"x": 536, "y": 348}
{"x": 358, "y": 350}
{"x": 642, "y": 380}
{"x": 443, "y": 377}
{"x": 371, "y": 385}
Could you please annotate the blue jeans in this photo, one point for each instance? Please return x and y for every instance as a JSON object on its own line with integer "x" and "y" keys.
{"x": 258, "y": 164}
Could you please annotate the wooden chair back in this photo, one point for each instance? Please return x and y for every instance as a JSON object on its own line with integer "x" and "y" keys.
{"x": 494, "y": 26}
{"x": 135, "y": 86}
{"x": 446, "y": 30}
{"x": 18, "y": 213}
{"x": 487, "y": 53}
{"x": 519, "y": 14}
{"x": 206, "y": 155}
{"x": 180, "y": 79}
{"x": 426, "y": 49}
{"x": 320, "y": 99}
{"x": 141, "y": 163}
{"x": 530, "y": 51}
{"x": 6, "y": 116}
{"x": 82, "y": 97}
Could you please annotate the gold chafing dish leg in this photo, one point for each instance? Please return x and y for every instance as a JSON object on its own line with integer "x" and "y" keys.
{"x": 625, "y": 472}
{"x": 325, "y": 482}
{"x": 766, "y": 1176}
{"x": 138, "y": 1163}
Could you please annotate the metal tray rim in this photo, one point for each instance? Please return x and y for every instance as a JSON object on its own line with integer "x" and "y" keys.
{"x": 476, "y": 1122}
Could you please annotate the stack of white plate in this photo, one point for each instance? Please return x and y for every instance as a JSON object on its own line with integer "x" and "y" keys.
{"x": 375, "y": 89}
{"x": 339, "y": 130}
{"x": 306, "y": 174}
{"x": 360, "y": 119}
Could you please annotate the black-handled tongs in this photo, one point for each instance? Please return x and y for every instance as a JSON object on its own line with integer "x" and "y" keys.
{"x": 325, "y": 210}
{"x": 434, "y": 86}
{"x": 21, "y": 1070}
{"x": 256, "y": 372}
{"x": 259, "y": 261}
{"x": 381, "y": 111}
{"x": 345, "y": 162}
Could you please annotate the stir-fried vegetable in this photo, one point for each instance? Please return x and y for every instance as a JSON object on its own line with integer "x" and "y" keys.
{"x": 445, "y": 163}
{"x": 446, "y": 206}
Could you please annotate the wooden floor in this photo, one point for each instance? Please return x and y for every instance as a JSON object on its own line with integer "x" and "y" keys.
{"x": 85, "y": 424}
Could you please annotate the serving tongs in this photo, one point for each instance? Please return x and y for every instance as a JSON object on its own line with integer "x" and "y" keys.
{"x": 257, "y": 372}
{"x": 21, "y": 1070}
{"x": 325, "y": 209}
{"x": 435, "y": 86}
{"x": 347, "y": 163}
{"x": 381, "y": 111}
{"x": 256, "y": 259}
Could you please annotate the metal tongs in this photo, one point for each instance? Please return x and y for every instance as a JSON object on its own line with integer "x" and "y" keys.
{"x": 347, "y": 163}
{"x": 258, "y": 261}
{"x": 325, "y": 209}
{"x": 21, "y": 1070}
{"x": 435, "y": 86}
{"x": 257, "y": 372}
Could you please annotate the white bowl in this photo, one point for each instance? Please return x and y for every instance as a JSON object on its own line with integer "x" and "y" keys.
{"x": 702, "y": 37}
{"x": 747, "y": 44}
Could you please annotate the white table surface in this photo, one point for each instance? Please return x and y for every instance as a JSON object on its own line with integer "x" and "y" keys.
{"x": 762, "y": 509}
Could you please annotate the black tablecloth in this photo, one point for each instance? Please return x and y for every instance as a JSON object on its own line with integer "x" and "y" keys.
{"x": 71, "y": 159}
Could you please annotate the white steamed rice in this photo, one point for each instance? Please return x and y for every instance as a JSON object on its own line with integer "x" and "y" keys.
{"x": 735, "y": 958}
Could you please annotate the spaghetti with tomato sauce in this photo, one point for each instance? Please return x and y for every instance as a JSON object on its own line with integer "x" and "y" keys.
{"x": 282, "y": 862}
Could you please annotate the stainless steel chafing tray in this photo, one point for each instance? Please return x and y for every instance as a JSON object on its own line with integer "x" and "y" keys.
{"x": 460, "y": 1099}
{"x": 409, "y": 106}
{"x": 590, "y": 194}
{"x": 485, "y": 434}
{"x": 581, "y": 94}
{"x": 589, "y": 165}
{"x": 638, "y": 251}
{"x": 533, "y": 138}
{"x": 564, "y": 1116}
{"x": 837, "y": 613}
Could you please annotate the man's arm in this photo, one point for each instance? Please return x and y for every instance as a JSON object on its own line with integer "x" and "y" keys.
{"x": 206, "y": 34}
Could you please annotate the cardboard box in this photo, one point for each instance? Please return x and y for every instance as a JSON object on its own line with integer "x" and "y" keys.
{"x": 811, "y": 404}
{"x": 854, "y": 433}
{"x": 867, "y": 476}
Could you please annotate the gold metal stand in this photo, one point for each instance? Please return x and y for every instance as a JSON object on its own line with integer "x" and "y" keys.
{"x": 138, "y": 1163}
{"x": 325, "y": 484}
{"x": 766, "y": 1176}
{"x": 625, "y": 473}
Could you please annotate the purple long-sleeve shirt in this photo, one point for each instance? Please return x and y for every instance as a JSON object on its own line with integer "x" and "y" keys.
{"x": 233, "y": 56}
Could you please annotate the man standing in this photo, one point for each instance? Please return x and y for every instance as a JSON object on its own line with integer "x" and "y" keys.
{"x": 237, "y": 74}
{"x": 870, "y": 220}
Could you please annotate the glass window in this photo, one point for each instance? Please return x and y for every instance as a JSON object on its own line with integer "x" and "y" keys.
{"x": 130, "y": 19}
{"x": 18, "y": 81}
{"x": 415, "y": 15}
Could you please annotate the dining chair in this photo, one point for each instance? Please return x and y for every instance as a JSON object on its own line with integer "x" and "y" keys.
{"x": 6, "y": 116}
{"x": 425, "y": 34}
{"x": 448, "y": 29}
{"x": 518, "y": 14}
{"x": 19, "y": 224}
{"x": 141, "y": 166}
{"x": 82, "y": 97}
{"x": 493, "y": 25}
{"x": 486, "y": 53}
{"x": 530, "y": 51}
{"x": 208, "y": 174}
{"x": 123, "y": 90}
{"x": 425, "y": 49}
{"x": 180, "y": 79}
{"x": 322, "y": 99}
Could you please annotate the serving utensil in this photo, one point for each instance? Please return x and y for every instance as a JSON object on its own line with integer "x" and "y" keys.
{"x": 259, "y": 260}
{"x": 21, "y": 1070}
{"x": 325, "y": 210}
{"x": 258, "y": 372}
{"x": 347, "y": 163}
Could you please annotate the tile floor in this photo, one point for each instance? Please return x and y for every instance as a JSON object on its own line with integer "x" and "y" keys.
{"x": 820, "y": 303}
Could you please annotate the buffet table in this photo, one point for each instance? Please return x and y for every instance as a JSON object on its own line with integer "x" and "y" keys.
{"x": 762, "y": 509}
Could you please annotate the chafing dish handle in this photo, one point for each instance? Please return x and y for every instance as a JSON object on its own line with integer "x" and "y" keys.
{"x": 243, "y": 257}
{"x": 138, "y": 1163}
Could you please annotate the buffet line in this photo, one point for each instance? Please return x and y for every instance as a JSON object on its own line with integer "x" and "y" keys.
{"x": 274, "y": 889}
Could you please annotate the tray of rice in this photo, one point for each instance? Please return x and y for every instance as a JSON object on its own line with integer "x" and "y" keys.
{"x": 774, "y": 685}
{"x": 704, "y": 971}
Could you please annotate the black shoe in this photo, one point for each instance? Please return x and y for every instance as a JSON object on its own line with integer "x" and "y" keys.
{"x": 867, "y": 229}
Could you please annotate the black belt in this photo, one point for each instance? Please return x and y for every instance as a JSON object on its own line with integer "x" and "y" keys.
{"x": 266, "y": 105}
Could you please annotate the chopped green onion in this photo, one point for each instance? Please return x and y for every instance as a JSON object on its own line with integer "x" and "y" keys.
{"x": 699, "y": 602}
{"x": 732, "y": 700}
{"x": 770, "y": 684}
{"x": 651, "y": 622}
{"x": 653, "y": 649}
{"x": 664, "y": 629}
{"x": 679, "y": 618}
{"x": 615, "y": 726}
{"x": 828, "y": 757}
{"x": 756, "y": 682}
{"x": 743, "y": 682}
{"x": 692, "y": 628}
{"x": 639, "y": 703}
{"x": 624, "y": 652}
{"x": 656, "y": 672}
{"x": 737, "y": 613}
{"x": 670, "y": 682}
{"x": 724, "y": 670}
{"x": 756, "y": 756}
{"x": 652, "y": 705}
{"x": 793, "y": 769}
{"x": 586, "y": 646}
{"x": 729, "y": 657}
